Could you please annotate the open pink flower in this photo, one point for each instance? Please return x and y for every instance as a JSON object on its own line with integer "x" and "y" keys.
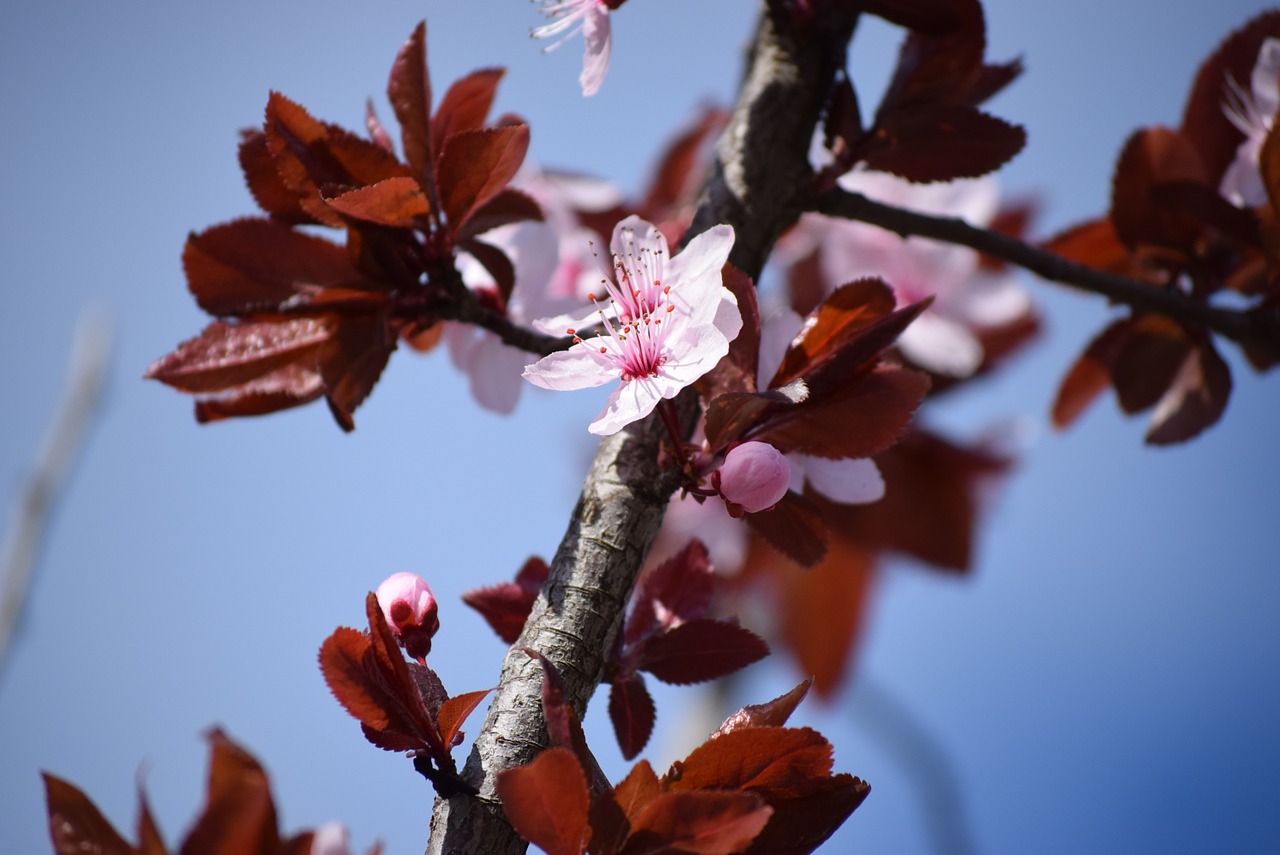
{"x": 592, "y": 18}
{"x": 1253, "y": 113}
{"x": 411, "y": 612}
{"x": 667, "y": 321}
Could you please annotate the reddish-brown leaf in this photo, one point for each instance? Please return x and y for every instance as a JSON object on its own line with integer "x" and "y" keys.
{"x": 848, "y": 310}
{"x": 353, "y": 361}
{"x": 632, "y": 713}
{"x": 732, "y": 414}
{"x": 395, "y": 202}
{"x": 677, "y": 174}
{"x": 821, "y": 612}
{"x": 547, "y": 801}
{"x": 286, "y": 387}
{"x": 508, "y": 206}
{"x": 409, "y": 91}
{"x": 794, "y": 528}
{"x": 698, "y": 822}
{"x": 225, "y": 355}
{"x": 679, "y": 589}
{"x": 1147, "y": 360}
{"x": 264, "y": 182}
{"x": 862, "y": 420}
{"x": 342, "y": 658}
{"x": 801, "y": 823}
{"x": 564, "y": 730}
{"x": 255, "y": 264}
{"x": 775, "y": 761}
{"x": 505, "y": 607}
{"x": 475, "y": 166}
{"x": 772, "y": 713}
{"x": 239, "y": 817}
{"x": 454, "y": 712}
{"x": 1195, "y": 400}
{"x": 942, "y": 142}
{"x": 1089, "y": 375}
{"x": 1094, "y": 244}
{"x": 637, "y": 790}
{"x": 149, "y": 840}
{"x": 465, "y": 105}
{"x": 737, "y": 371}
{"x": 698, "y": 650}
{"x": 1153, "y": 156}
{"x": 76, "y": 826}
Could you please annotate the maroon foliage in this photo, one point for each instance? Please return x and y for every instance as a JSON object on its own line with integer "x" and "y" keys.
{"x": 302, "y": 318}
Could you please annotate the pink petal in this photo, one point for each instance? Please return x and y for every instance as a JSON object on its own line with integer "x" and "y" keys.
{"x": 579, "y": 367}
{"x": 848, "y": 481}
{"x": 595, "y": 60}
{"x": 631, "y": 401}
{"x": 694, "y": 275}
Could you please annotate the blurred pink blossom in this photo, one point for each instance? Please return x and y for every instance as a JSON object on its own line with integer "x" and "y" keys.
{"x": 1254, "y": 113}
{"x": 592, "y": 18}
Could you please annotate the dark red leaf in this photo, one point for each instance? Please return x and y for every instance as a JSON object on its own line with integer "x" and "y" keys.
{"x": 1147, "y": 360}
{"x": 239, "y": 816}
{"x": 226, "y": 355}
{"x": 701, "y": 649}
{"x": 1195, "y": 400}
{"x": 76, "y": 826}
{"x": 679, "y": 589}
{"x": 1094, "y": 244}
{"x": 942, "y": 142}
{"x": 352, "y": 363}
{"x": 774, "y": 761}
{"x": 508, "y": 206}
{"x": 377, "y": 131}
{"x": 801, "y": 823}
{"x": 409, "y": 91}
{"x": 342, "y": 658}
{"x": 632, "y": 713}
{"x": 564, "y": 729}
{"x": 794, "y": 528}
{"x": 772, "y": 713}
{"x": 505, "y": 607}
{"x": 286, "y": 387}
{"x": 637, "y": 790}
{"x": 698, "y": 822}
{"x": 496, "y": 264}
{"x": 860, "y": 421}
{"x": 454, "y": 712}
{"x": 821, "y": 612}
{"x": 475, "y": 166}
{"x": 395, "y": 202}
{"x": 935, "y": 17}
{"x": 149, "y": 840}
{"x": 1154, "y": 156}
{"x": 465, "y": 105}
{"x": 254, "y": 265}
{"x": 848, "y": 310}
{"x": 264, "y": 182}
{"x": 1089, "y": 375}
{"x": 547, "y": 801}
{"x": 677, "y": 175}
{"x": 731, "y": 415}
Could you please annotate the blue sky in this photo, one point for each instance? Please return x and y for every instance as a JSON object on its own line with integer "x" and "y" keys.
{"x": 1107, "y": 680}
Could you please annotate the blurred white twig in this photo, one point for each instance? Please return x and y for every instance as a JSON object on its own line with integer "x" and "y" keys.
{"x": 86, "y": 373}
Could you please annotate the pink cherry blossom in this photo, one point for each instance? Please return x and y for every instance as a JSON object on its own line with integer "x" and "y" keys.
{"x": 330, "y": 839}
{"x": 592, "y": 18}
{"x": 410, "y": 609}
{"x": 754, "y": 476}
{"x": 666, "y": 322}
{"x": 1254, "y": 113}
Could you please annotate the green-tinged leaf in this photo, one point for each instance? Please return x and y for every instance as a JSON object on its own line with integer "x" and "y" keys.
{"x": 547, "y": 801}
{"x": 76, "y": 826}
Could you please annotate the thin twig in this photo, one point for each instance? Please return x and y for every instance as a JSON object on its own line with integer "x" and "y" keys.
{"x": 59, "y": 448}
{"x": 1243, "y": 327}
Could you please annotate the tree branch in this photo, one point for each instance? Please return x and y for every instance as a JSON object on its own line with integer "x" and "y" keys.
{"x": 758, "y": 187}
{"x": 1260, "y": 327}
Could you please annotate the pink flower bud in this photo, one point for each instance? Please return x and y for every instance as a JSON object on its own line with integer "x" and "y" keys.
{"x": 754, "y": 476}
{"x": 410, "y": 610}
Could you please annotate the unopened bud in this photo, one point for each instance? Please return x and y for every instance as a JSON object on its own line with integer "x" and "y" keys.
{"x": 410, "y": 609}
{"x": 754, "y": 475}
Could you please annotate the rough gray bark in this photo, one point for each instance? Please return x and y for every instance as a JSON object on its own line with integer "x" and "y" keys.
{"x": 759, "y": 185}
